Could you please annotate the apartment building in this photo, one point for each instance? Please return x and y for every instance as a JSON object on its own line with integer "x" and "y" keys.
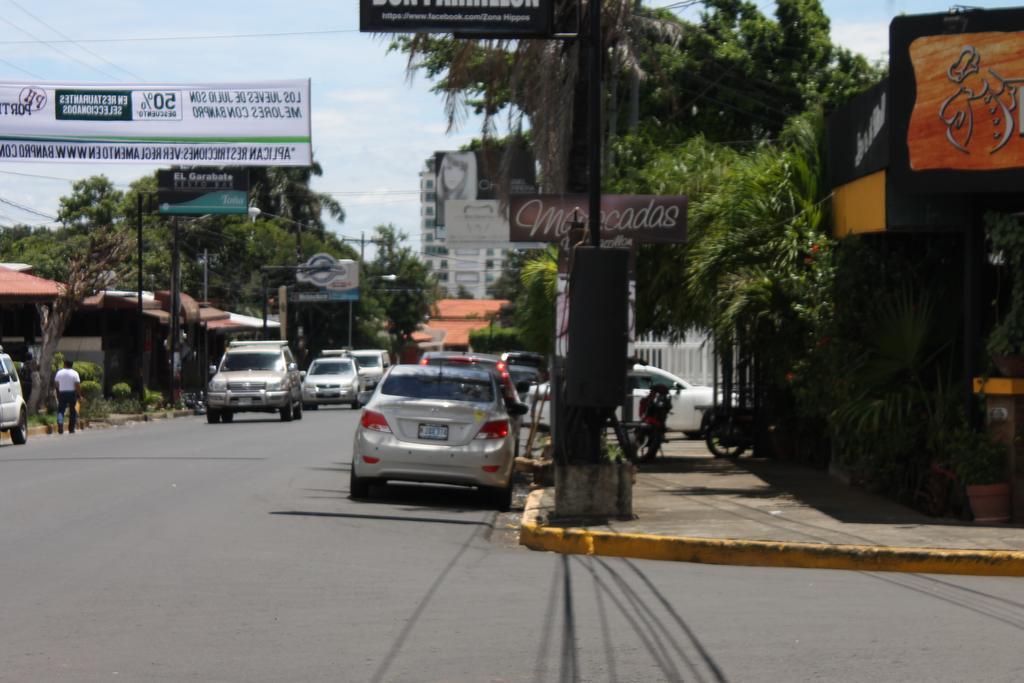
{"x": 474, "y": 269}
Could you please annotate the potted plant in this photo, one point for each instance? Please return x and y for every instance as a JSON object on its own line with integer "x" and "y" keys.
{"x": 980, "y": 465}
{"x": 1006, "y": 340}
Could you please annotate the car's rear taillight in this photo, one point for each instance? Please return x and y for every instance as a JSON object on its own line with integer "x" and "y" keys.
{"x": 424, "y": 361}
{"x": 491, "y": 469}
{"x": 496, "y": 429}
{"x": 375, "y": 421}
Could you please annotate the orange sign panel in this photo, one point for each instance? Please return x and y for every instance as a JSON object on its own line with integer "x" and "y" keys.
{"x": 969, "y": 113}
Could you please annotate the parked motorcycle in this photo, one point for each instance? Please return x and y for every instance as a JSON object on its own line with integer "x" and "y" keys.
{"x": 728, "y": 432}
{"x": 650, "y": 433}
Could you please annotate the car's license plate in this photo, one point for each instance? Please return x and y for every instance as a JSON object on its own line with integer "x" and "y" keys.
{"x": 434, "y": 432}
{"x": 245, "y": 399}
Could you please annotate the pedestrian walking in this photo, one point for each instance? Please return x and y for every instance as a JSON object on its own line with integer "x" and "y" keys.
{"x": 69, "y": 390}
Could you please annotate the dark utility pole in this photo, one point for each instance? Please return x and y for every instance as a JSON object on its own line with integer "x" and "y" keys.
{"x": 175, "y": 309}
{"x": 140, "y": 329}
{"x": 594, "y": 91}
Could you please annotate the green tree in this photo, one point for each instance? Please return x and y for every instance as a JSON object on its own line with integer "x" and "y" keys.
{"x": 535, "y": 305}
{"x": 85, "y": 256}
{"x": 400, "y": 283}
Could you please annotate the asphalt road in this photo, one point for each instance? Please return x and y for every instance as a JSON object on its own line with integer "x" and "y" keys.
{"x": 181, "y": 551}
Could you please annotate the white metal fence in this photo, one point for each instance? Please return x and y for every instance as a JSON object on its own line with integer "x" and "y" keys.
{"x": 692, "y": 358}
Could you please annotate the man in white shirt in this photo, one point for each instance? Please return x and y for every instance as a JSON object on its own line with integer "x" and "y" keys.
{"x": 69, "y": 389}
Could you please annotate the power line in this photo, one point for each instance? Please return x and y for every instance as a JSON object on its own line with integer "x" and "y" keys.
{"x": 28, "y": 209}
{"x": 24, "y": 71}
{"x": 82, "y": 47}
{"x": 37, "y": 39}
{"x": 220, "y": 36}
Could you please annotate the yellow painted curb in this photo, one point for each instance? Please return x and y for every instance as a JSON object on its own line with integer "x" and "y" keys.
{"x": 766, "y": 553}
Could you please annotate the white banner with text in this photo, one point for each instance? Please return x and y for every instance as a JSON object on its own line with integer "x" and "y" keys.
{"x": 263, "y": 123}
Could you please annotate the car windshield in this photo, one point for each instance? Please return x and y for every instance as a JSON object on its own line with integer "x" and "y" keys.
{"x": 331, "y": 367}
{"x": 523, "y": 375}
{"x": 369, "y": 361}
{"x": 473, "y": 387}
{"x": 252, "y": 360}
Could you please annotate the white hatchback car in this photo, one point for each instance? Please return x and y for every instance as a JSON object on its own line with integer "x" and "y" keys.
{"x": 436, "y": 423}
{"x": 688, "y": 400}
{"x": 13, "y": 413}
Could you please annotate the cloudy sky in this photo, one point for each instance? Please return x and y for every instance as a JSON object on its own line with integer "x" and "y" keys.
{"x": 372, "y": 127}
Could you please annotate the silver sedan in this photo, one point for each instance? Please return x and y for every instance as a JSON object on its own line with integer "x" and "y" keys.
{"x": 439, "y": 424}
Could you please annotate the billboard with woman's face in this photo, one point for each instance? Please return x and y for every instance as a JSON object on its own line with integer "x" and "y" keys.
{"x": 470, "y": 176}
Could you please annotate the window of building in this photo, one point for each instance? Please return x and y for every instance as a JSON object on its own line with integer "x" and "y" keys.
{"x": 428, "y": 223}
{"x": 428, "y": 237}
{"x": 429, "y": 183}
{"x": 467, "y": 252}
{"x": 489, "y": 263}
{"x": 431, "y": 196}
{"x": 444, "y": 264}
{"x": 489, "y": 277}
{"x": 490, "y": 252}
{"x": 467, "y": 278}
{"x": 442, "y": 277}
{"x": 428, "y": 210}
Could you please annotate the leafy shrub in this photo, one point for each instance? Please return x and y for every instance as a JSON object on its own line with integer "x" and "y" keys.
{"x": 89, "y": 372}
{"x": 495, "y": 340}
{"x": 121, "y": 391}
{"x": 976, "y": 458}
{"x": 153, "y": 399}
{"x": 92, "y": 390}
{"x": 128, "y": 405}
{"x": 95, "y": 408}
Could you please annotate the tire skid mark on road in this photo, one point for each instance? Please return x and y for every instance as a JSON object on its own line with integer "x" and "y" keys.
{"x": 392, "y": 654}
{"x": 996, "y": 608}
{"x": 638, "y": 618}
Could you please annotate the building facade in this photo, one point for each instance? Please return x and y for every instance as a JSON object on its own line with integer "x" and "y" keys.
{"x": 457, "y": 269}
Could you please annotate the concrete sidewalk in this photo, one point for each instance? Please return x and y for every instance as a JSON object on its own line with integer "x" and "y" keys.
{"x": 692, "y": 507}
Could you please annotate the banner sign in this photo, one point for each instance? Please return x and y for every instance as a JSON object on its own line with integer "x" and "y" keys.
{"x": 491, "y": 18}
{"x": 473, "y": 176}
{"x": 957, "y": 101}
{"x": 625, "y": 218}
{"x": 323, "y": 270}
{"x": 219, "y": 124}
{"x": 198, "y": 193}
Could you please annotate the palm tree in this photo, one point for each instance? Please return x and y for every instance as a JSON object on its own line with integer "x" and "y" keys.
{"x": 496, "y": 76}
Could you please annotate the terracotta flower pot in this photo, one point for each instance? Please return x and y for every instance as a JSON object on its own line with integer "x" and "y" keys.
{"x": 990, "y": 503}
{"x": 1010, "y": 365}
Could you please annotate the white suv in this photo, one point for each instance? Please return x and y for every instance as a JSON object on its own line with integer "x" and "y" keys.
{"x": 13, "y": 413}
{"x": 373, "y": 363}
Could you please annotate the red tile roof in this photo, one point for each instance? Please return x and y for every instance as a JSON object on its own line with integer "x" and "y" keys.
{"x": 457, "y": 331}
{"x": 468, "y": 308}
{"x": 16, "y": 287}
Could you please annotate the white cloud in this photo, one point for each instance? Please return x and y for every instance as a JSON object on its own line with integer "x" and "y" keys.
{"x": 869, "y": 38}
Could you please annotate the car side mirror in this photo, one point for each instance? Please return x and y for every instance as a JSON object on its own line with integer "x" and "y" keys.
{"x": 364, "y": 397}
{"x": 678, "y": 387}
{"x": 212, "y": 369}
{"x": 518, "y": 409}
